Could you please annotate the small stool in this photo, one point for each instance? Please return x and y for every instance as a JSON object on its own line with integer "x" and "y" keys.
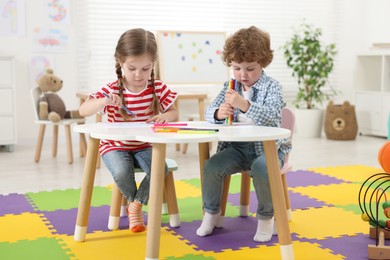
{"x": 119, "y": 202}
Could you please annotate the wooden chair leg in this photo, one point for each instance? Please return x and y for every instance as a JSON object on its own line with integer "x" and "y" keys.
{"x": 245, "y": 194}
{"x": 83, "y": 145}
{"x": 38, "y": 149}
{"x": 55, "y": 141}
{"x": 116, "y": 199}
{"x": 286, "y": 197}
{"x": 98, "y": 162}
{"x": 69, "y": 149}
{"x": 170, "y": 195}
{"x": 164, "y": 209}
{"x": 225, "y": 193}
{"x": 124, "y": 205}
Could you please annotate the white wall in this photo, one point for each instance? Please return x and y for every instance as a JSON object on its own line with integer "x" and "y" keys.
{"x": 22, "y": 49}
{"x": 363, "y": 22}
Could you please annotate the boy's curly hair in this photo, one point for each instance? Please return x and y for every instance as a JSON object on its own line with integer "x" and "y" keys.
{"x": 248, "y": 45}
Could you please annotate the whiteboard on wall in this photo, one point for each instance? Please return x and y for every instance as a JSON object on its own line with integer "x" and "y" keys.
{"x": 191, "y": 57}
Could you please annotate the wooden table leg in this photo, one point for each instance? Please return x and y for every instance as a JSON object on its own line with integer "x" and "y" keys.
{"x": 201, "y": 105}
{"x": 86, "y": 190}
{"x": 278, "y": 200}
{"x": 155, "y": 202}
{"x": 204, "y": 154}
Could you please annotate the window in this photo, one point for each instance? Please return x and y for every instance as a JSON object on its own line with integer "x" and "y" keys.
{"x": 100, "y": 23}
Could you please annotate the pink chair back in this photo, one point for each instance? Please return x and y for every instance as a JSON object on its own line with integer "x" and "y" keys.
{"x": 288, "y": 122}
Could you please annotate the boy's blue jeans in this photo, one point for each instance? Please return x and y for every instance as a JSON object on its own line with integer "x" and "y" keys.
{"x": 121, "y": 164}
{"x": 238, "y": 157}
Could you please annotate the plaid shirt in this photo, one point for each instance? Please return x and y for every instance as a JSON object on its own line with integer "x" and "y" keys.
{"x": 265, "y": 110}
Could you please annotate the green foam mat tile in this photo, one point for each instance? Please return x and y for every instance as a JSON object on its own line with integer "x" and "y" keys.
{"x": 42, "y": 248}
{"x": 67, "y": 199}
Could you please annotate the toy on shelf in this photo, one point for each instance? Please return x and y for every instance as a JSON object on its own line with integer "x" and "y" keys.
{"x": 232, "y": 85}
{"x": 372, "y": 193}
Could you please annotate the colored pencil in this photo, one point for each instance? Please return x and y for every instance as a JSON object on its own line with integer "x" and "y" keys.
{"x": 195, "y": 132}
{"x": 175, "y": 129}
{"x": 229, "y": 119}
{"x": 123, "y": 106}
{"x": 172, "y": 124}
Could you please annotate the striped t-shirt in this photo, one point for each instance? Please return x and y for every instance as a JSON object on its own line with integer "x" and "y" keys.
{"x": 138, "y": 103}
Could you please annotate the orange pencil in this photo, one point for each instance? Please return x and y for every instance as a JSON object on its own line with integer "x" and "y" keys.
{"x": 229, "y": 119}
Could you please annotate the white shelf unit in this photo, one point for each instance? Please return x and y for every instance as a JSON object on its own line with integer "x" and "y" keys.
{"x": 373, "y": 92}
{"x": 7, "y": 104}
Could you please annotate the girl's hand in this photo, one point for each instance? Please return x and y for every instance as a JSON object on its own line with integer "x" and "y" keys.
{"x": 113, "y": 100}
{"x": 158, "y": 119}
{"x": 224, "y": 111}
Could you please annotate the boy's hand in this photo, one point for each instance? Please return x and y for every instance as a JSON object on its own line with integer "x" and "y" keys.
{"x": 236, "y": 101}
{"x": 224, "y": 111}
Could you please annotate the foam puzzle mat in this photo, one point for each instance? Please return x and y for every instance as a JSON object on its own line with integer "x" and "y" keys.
{"x": 326, "y": 223}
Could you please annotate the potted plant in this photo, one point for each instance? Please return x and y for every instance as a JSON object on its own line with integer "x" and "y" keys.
{"x": 311, "y": 62}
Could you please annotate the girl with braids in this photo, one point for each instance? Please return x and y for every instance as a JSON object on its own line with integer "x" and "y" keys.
{"x": 149, "y": 99}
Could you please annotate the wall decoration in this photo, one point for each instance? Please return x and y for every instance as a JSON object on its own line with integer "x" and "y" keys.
{"x": 50, "y": 40}
{"x": 38, "y": 66}
{"x": 58, "y": 11}
{"x": 12, "y": 18}
{"x": 191, "y": 57}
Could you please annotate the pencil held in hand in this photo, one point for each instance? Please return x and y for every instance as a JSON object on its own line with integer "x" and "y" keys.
{"x": 229, "y": 119}
{"x": 123, "y": 107}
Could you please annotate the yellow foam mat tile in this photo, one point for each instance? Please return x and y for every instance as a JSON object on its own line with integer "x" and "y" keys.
{"x": 355, "y": 173}
{"x": 336, "y": 194}
{"x": 26, "y": 226}
{"x": 302, "y": 251}
{"x": 120, "y": 244}
{"x": 321, "y": 223}
{"x": 185, "y": 190}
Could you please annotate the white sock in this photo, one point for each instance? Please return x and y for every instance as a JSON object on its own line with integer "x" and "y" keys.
{"x": 265, "y": 229}
{"x": 208, "y": 224}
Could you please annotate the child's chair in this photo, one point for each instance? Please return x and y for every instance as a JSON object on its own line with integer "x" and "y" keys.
{"x": 288, "y": 122}
{"x": 35, "y": 94}
{"x": 119, "y": 202}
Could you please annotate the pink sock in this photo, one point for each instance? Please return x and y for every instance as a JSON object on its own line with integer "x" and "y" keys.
{"x": 136, "y": 218}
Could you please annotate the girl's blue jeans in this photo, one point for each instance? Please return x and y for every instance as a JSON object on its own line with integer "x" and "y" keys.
{"x": 238, "y": 157}
{"x": 121, "y": 165}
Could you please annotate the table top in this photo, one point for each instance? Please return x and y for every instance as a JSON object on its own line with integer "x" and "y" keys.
{"x": 144, "y": 132}
{"x": 84, "y": 94}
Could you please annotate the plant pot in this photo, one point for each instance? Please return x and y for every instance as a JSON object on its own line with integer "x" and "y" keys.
{"x": 309, "y": 122}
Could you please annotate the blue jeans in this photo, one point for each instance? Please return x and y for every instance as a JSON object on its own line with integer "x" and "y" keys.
{"x": 238, "y": 157}
{"x": 121, "y": 164}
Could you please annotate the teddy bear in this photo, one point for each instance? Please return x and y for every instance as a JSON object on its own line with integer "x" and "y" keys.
{"x": 340, "y": 121}
{"x": 51, "y": 106}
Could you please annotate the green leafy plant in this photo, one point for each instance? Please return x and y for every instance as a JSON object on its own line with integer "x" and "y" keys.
{"x": 311, "y": 62}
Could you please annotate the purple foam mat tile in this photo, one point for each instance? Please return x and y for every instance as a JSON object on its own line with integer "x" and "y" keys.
{"x": 351, "y": 247}
{"x": 297, "y": 201}
{"x": 309, "y": 178}
{"x": 237, "y": 232}
{"x": 64, "y": 221}
{"x": 14, "y": 204}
